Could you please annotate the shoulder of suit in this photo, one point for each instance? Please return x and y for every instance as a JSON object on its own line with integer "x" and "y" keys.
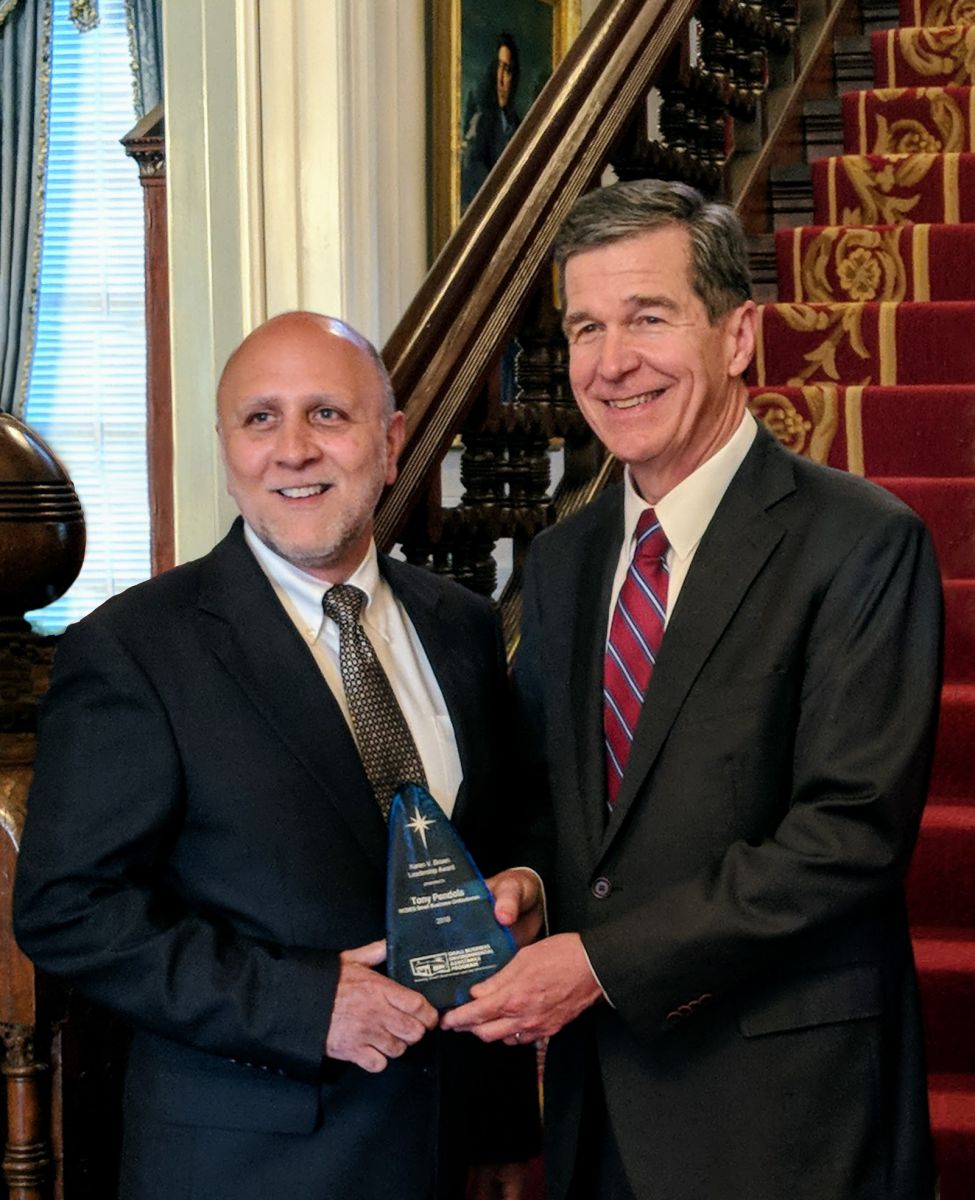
{"x": 158, "y": 599}
{"x": 419, "y": 581}
{"x": 596, "y": 519}
{"x": 840, "y": 491}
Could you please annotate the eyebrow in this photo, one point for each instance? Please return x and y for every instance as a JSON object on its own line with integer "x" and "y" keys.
{"x": 580, "y": 316}
{"x": 666, "y": 302}
{"x": 325, "y": 399}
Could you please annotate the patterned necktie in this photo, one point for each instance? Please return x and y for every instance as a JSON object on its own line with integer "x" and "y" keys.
{"x": 386, "y": 746}
{"x": 634, "y": 641}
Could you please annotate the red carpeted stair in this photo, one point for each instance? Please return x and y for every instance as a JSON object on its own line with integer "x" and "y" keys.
{"x": 868, "y": 363}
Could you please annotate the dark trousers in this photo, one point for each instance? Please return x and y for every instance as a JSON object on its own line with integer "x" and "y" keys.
{"x": 599, "y": 1172}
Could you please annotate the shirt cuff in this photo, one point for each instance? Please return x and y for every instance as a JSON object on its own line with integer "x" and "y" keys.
{"x": 596, "y": 977}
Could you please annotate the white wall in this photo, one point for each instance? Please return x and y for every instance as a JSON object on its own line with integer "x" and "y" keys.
{"x": 295, "y": 159}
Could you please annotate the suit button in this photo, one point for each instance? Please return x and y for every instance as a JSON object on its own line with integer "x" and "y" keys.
{"x": 601, "y": 887}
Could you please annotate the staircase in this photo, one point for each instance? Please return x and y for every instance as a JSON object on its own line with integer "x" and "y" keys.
{"x": 867, "y": 362}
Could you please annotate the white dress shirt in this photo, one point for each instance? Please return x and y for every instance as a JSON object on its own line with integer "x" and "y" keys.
{"x": 397, "y": 647}
{"x": 684, "y": 513}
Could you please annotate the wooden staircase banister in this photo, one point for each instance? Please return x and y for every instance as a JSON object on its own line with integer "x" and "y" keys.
{"x": 441, "y": 351}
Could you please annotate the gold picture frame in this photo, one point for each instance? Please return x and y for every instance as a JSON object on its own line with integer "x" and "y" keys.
{"x": 459, "y": 33}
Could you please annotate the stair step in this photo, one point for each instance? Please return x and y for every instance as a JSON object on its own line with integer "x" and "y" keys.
{"x": 919, "y": 13}
{"x": 952, "y": 1100}
{"x": 853, "y": 63}
{"x": 872, "y": 343}
{"x": 822, "y": 127}
{"x": 875, "y": 431}
{"x": 761, "y": 264}
{"x": 941, "y": 881}
{"x": 907, "y": 120}
{"x": 947, "y": 507}
{"x": 954, "y": 763}
{"x": 960, "y": 631}
{"x": 946, "y": 971}
{"x": 906, "y": 56}
{"x": 791, "y": 195}
{"x": 844, "y": 263}
{"x": 893, "y": 189}
{"x": 880, "y": 14}
{"x": 936, "y": 431}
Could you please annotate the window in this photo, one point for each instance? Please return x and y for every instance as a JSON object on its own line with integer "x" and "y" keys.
{"x": 87, "y": 390}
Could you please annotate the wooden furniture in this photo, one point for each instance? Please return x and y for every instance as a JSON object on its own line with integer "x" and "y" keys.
{"x": 42, "y": 545}
{"x": 146, "y": 143}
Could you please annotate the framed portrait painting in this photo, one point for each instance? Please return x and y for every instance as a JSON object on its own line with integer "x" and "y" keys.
{"x": 488, "y": 62}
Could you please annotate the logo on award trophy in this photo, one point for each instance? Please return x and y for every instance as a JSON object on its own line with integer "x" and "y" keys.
{"x": 441, "y": 933}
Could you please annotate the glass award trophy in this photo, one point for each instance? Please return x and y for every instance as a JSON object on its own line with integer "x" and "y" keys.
{"x": 441, "y": 933}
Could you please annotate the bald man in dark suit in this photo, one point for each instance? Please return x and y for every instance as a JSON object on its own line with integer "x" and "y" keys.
{"x": 204, "y": 853}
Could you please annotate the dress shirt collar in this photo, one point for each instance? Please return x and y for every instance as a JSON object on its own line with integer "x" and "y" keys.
{"x": 303, "y": 593}
{"x": 686, "y": 511}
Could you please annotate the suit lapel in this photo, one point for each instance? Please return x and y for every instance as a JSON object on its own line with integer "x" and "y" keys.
{"x": 249, "y": 631}
{"x": 577, "y": 583}
{"x": 735, "y": 547}
{"x": 591, "y": 606}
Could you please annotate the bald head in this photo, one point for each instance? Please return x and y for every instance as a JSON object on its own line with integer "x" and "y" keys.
{"x": 275, "y": 335}
{"x": 310, "y": 436}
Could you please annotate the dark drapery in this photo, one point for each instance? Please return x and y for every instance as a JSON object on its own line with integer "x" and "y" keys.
{"x": 145, "y": 40}
{"x": 25, "y": 42}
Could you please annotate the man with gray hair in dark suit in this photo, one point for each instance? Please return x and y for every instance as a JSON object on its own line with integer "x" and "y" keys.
{"x": 728, "y": 679}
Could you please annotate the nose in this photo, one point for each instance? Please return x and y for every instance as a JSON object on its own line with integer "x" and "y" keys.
{"x": 617, "y": 354}
{"x": 295, "y": 445}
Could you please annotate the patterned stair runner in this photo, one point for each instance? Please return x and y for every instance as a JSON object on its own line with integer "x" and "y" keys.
{"x": 868, "y": 364}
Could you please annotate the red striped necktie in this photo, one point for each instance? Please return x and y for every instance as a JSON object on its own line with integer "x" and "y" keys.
{"x": 634, "y": 641}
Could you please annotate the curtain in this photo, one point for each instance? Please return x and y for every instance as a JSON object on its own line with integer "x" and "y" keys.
{"x": 25, "y": 42}
{"x": 145, "y": 40}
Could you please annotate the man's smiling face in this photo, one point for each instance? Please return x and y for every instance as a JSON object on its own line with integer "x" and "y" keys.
{"x": 657, "y": 381}
{"x": 306, "y": 443}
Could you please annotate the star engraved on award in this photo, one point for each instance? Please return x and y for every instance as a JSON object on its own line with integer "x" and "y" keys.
{"x": 441, "y": 933}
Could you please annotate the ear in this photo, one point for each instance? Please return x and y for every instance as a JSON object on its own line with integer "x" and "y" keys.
{"x": 395, "y": 436}
{"x": 742, "y": 326}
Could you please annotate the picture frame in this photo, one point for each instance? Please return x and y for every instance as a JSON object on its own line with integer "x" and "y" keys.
{"x": 468, "y": 127}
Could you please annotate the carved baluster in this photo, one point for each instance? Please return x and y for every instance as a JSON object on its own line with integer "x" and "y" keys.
{"x": 715, "y": 53}
{"x": 757, "y": 72}
{"x": 719, "y": 137}
{"x": 674, "y": 119}
{"x": 481, "y": 465}
{"x": 27, "y": 1154}
{"x": 741, "y": 66}
{"x": 787, "y": 13}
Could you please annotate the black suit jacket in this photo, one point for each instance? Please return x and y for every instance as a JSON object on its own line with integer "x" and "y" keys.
{"x": 201, "y": 844}
{"x": 743, "y": 905}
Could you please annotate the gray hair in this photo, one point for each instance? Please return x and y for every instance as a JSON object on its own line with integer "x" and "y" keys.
{"x": 720, "y": 276}
{"x": 389, "y": 396}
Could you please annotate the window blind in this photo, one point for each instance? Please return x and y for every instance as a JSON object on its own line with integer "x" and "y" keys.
{"x": 87, "y": 390}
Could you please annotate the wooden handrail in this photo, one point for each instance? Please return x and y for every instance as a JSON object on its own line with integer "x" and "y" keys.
{"x": 441, "y": 351}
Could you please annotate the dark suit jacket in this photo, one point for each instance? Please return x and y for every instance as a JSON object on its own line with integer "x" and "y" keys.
{"x": 202, "y": 843}
{"x": 743, "y": 905}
